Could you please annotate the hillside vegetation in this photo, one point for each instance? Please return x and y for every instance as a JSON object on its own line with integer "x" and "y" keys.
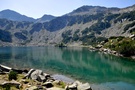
{"x": 124, "y": 46}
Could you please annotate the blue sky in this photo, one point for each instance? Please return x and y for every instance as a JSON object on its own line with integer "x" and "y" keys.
{"x": 37, "y": 8}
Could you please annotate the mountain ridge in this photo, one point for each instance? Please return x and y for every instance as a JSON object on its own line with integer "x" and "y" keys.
{"x": 93, "y": 9}
{"x": 86, "y": 27}
{"x": 15, "y": 16}
{"x": 45, "y": 18}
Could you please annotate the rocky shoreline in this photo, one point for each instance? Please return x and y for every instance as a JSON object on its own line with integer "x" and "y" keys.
{"x": 107, "y": 51}
{"x": 35, "y": 79}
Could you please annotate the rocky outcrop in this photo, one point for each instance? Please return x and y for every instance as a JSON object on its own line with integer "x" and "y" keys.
{"x": 36, "y": 79}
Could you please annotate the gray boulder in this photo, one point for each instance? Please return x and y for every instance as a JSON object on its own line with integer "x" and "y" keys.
{"x": 36, "y": 88}
{"x": 71, "y": 87}
{"x": 85, "y": 86}
{"x": 33, "y": 74}
{"x": 32, "y": 88}
{"x": 78, "y": 86}
{"x": 41, "y": 78}
{"x": 37, "y": 75}
{"x": 4, "y": 68}
{"x": 11, "y": 83}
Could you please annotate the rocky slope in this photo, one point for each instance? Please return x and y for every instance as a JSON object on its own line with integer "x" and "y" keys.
{"x": 85, "y": 25}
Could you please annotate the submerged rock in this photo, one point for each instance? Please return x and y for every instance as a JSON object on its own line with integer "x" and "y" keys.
{"x": 62, "y": 78}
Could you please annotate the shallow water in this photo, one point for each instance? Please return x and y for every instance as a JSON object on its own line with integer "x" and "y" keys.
{"x": 103, "y": 71}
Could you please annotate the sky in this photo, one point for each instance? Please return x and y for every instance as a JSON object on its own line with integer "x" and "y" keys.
{"x": 37, "y": 8}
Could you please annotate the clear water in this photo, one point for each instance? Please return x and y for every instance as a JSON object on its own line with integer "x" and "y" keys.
{"x": 102, "y": 71}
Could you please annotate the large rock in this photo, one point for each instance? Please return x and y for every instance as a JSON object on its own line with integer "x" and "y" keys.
{"x": 35, "y": 88}
{"x": 78, "y": 86}
{"x": 32, "y": 88}
{"x": 37, "y": 75}
{"x": 41, "y": 78}
{"x": 55, "y": 88}
{"x": 4, "y": 68}
{"x": 33, "y": 74}
{"x": 20, "y": 71}
{"x": 85, "y": 86}
{"x": 77, "y": 83}
{"x": 71, "y": 87}
{"x": 48, "y": 84}
{"x": 11, "y": 83}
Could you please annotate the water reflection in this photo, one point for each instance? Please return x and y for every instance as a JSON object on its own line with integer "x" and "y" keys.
{"x": 79, "y": 63}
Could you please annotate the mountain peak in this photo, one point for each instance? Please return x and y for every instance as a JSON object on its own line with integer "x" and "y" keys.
{"x": 88, "y": 8}
{"x": 92, "y": 10}
{"x": 8, "y": 10}
{"x": 15, "y": 16}
{"x": 45, "y": 18}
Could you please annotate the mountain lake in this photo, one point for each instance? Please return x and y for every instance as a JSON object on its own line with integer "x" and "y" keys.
{"x": 102, "y": 71}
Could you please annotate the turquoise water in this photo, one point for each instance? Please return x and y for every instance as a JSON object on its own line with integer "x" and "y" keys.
{"x": 101, "y": 70}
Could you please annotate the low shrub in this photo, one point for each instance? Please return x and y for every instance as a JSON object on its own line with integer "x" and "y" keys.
{"x": 12, "y": 75}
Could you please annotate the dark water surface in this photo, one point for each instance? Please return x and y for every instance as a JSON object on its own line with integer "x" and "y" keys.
{"x": 102, "y": 71}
